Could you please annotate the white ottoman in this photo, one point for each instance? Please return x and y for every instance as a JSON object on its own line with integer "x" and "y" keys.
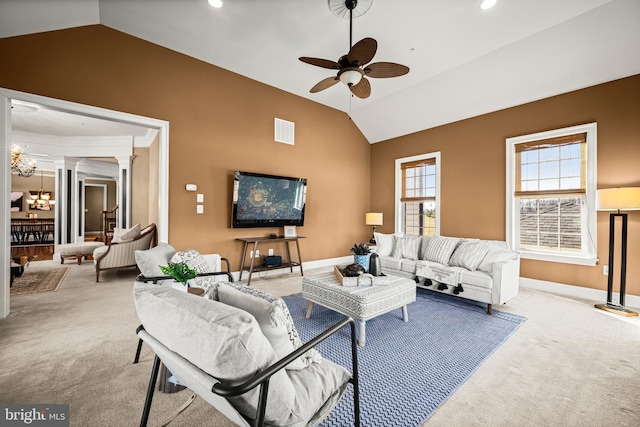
{"x": 360, "y": 302}
{"x": 77, "y": 250}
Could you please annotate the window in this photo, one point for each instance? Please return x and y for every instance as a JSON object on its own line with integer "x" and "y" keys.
{"x": 417, "y": 195}
{"x": 551, "y": 194}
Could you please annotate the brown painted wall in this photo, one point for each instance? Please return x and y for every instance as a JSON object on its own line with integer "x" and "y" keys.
{"x": 219, "y": 122}
{"x": 473, "y": 170}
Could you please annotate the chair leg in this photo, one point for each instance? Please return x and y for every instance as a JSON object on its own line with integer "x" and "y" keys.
{"x": 355, "y": 379}
{"x": 137, "y": 358}
{"x": 149, "y": 399}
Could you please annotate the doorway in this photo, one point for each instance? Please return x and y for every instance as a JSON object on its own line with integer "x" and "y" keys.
{"x": 6, "y": 96}
{"x": 95, "y": 196}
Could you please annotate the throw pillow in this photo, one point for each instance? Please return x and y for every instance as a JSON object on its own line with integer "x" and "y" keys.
{"x": 384, "y": 243}
{"x": 122, "y": 235}
{"x": 495, "y": 254}
{"x": 149, "y": 261}
{"x": 274, "y": 319}
{"x": 469, "y": 254}
{"x": 440, "y": 249}
{"x": 406, "y": 247}
{"x": 193, "y": 259}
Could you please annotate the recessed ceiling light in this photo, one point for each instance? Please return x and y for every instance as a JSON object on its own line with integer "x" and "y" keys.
{"x": 488, "y": 4}
{"x": 216, "y": 3}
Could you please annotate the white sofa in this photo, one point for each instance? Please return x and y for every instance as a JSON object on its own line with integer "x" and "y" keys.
{"x": 480, "y": 270}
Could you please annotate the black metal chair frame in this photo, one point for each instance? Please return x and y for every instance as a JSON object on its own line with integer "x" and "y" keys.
{"x": 261, "y": 379}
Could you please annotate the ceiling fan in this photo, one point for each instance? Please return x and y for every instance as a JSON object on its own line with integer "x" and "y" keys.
{"x": 352, "y": 67}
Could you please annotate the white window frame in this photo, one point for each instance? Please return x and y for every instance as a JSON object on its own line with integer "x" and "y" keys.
{"x": 589, "y": 254}
{"x": 399, "y": 226}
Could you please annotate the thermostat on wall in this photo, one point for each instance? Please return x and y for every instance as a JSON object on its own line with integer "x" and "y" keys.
{"x": 192, "y": 187}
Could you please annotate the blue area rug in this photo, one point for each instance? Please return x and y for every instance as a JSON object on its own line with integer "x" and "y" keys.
{"x": 407, "y": 370}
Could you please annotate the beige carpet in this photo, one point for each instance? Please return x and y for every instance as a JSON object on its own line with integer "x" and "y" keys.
{"x": 38, "y": 280}
{"x": 567, "y": 365}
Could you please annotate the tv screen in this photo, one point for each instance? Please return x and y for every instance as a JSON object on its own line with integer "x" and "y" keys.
{"x": 261, "y": 200}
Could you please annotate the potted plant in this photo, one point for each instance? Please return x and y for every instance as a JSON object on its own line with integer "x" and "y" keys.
{"x": 361, "y": 254}
{"x": 180, "y": 272}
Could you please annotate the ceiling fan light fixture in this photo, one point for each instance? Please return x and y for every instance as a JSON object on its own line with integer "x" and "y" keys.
{"x": 487, "y": 4}
{"x": 351, "y": 77}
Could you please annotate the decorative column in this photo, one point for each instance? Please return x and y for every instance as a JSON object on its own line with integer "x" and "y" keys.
{"x": 79, "y": 205}
{"x": 66, "y": 201}
{"x": 124, "y": 192}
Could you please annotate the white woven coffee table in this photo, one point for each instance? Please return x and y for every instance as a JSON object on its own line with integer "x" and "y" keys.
{"x": 362, "y": 302}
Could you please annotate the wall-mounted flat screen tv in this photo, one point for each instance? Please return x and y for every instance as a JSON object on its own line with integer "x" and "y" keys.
{"x": 261, "y": 200}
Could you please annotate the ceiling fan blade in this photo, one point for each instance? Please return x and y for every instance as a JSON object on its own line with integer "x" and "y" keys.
{"x": 324, "y": 84}
{"x": 363, "y": 51}
{"x": 318, "y": 62}
{"x": 361, "y": 90}
{"x": 383, "y": 70}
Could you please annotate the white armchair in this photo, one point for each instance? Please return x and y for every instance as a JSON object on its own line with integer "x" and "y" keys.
{"x": 122, "y": 254}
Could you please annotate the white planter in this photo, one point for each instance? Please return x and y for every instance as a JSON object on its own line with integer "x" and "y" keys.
{"x": 179, "y": 286}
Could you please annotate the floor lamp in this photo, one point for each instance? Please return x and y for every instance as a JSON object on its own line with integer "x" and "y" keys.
{"x": 617, "y": 200}
{"x": 373, "y": 218}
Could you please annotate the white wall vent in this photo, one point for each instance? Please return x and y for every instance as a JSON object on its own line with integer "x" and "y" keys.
{"x": 284, "y": 131}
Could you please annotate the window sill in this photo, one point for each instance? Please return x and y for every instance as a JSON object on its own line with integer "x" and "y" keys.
{"x": 562, "y": 258}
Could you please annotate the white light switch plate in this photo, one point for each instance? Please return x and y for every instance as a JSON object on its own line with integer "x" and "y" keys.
{"x": 200, "y": 198}
{"x": 199, "y": 209}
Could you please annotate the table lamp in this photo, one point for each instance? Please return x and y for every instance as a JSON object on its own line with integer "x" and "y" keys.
{"x": 617, "y": 200}
{"x": 373, "y": 218}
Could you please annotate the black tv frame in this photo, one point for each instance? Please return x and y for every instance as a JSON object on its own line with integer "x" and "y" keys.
{"x": 270, "y": 222}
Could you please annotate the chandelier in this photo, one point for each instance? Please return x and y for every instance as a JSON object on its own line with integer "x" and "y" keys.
{"x": 20, "y": 164}
{"x": 41, "y": 200}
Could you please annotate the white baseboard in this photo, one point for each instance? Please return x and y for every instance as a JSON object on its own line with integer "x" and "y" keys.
{"x": 310, "y": 265}
{"x": 597, "y": 295}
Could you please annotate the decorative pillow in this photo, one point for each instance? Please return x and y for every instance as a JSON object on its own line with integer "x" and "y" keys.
{"x": 122, "y": 235}
{"x": 406, "y": 247}
{"x": 440, "y": 249}
{"x": 274, "y": 319}
{"x": 193, "y": 259}
{"x": 494, "y": 255}
{"x": 384, "y": 243}
{"x": 223, "y": 341}
{"x": 149, "y": 261}
{"x": 469, "y": 254}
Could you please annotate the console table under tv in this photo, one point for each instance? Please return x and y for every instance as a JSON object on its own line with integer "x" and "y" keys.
{"x": 286, "y": 263}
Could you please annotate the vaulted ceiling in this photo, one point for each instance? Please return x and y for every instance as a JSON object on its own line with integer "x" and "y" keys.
{"x": 464, "y": 61}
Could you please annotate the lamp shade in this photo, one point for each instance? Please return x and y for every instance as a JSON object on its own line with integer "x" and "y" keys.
{"x": 373, "y": 218}
{"x": 618, "y": 199}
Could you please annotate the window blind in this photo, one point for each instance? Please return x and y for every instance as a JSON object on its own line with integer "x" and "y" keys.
{"x": 418, "y": 180}
{"x": 555, "y": 167}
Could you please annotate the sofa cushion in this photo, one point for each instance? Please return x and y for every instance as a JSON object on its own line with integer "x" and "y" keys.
{"x": 408, "y": 266}
{"x": 149, "y": 261}
{"x": 273, "y": 317}
{"x": 122, "y": 235}
{"x": 223, "y": 341}
{"x": 391, "y": 262}
{"x": 476, "y": 278}
{"x": 384, "y": 243}
{"x": 193, "y": 259}
{"x": 440, "y": 249}
{"x": 469, "y": 254}
{"x": 406, "y": 247}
